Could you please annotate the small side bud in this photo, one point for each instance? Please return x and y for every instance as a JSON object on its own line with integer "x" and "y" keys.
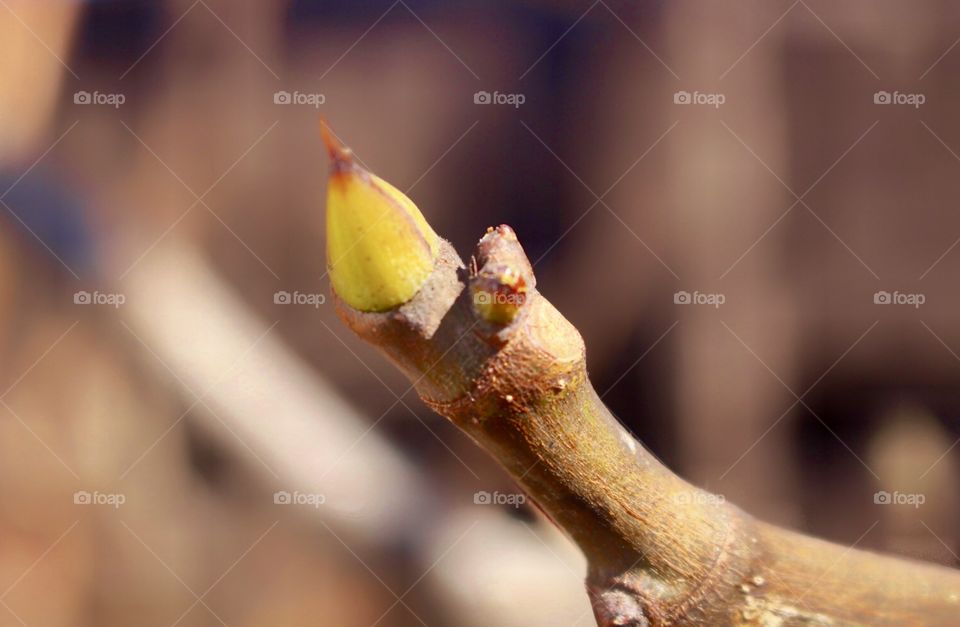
{"x": 502, "y": 277}
{"x": 500, "y": 245}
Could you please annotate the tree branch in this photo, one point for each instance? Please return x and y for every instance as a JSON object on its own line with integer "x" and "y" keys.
{"x": 485, "y": 349}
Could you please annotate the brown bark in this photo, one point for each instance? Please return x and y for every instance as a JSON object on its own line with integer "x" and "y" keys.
{"x": 660, "y": 551}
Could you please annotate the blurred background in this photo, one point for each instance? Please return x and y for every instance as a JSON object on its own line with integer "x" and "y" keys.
{"x": 748, "y": 209}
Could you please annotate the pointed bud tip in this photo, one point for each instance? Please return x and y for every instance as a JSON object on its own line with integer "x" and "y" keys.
{"x": 341, "y": 157}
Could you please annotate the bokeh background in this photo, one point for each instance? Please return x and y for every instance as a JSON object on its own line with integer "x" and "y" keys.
{"x": 180, "y": 445}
